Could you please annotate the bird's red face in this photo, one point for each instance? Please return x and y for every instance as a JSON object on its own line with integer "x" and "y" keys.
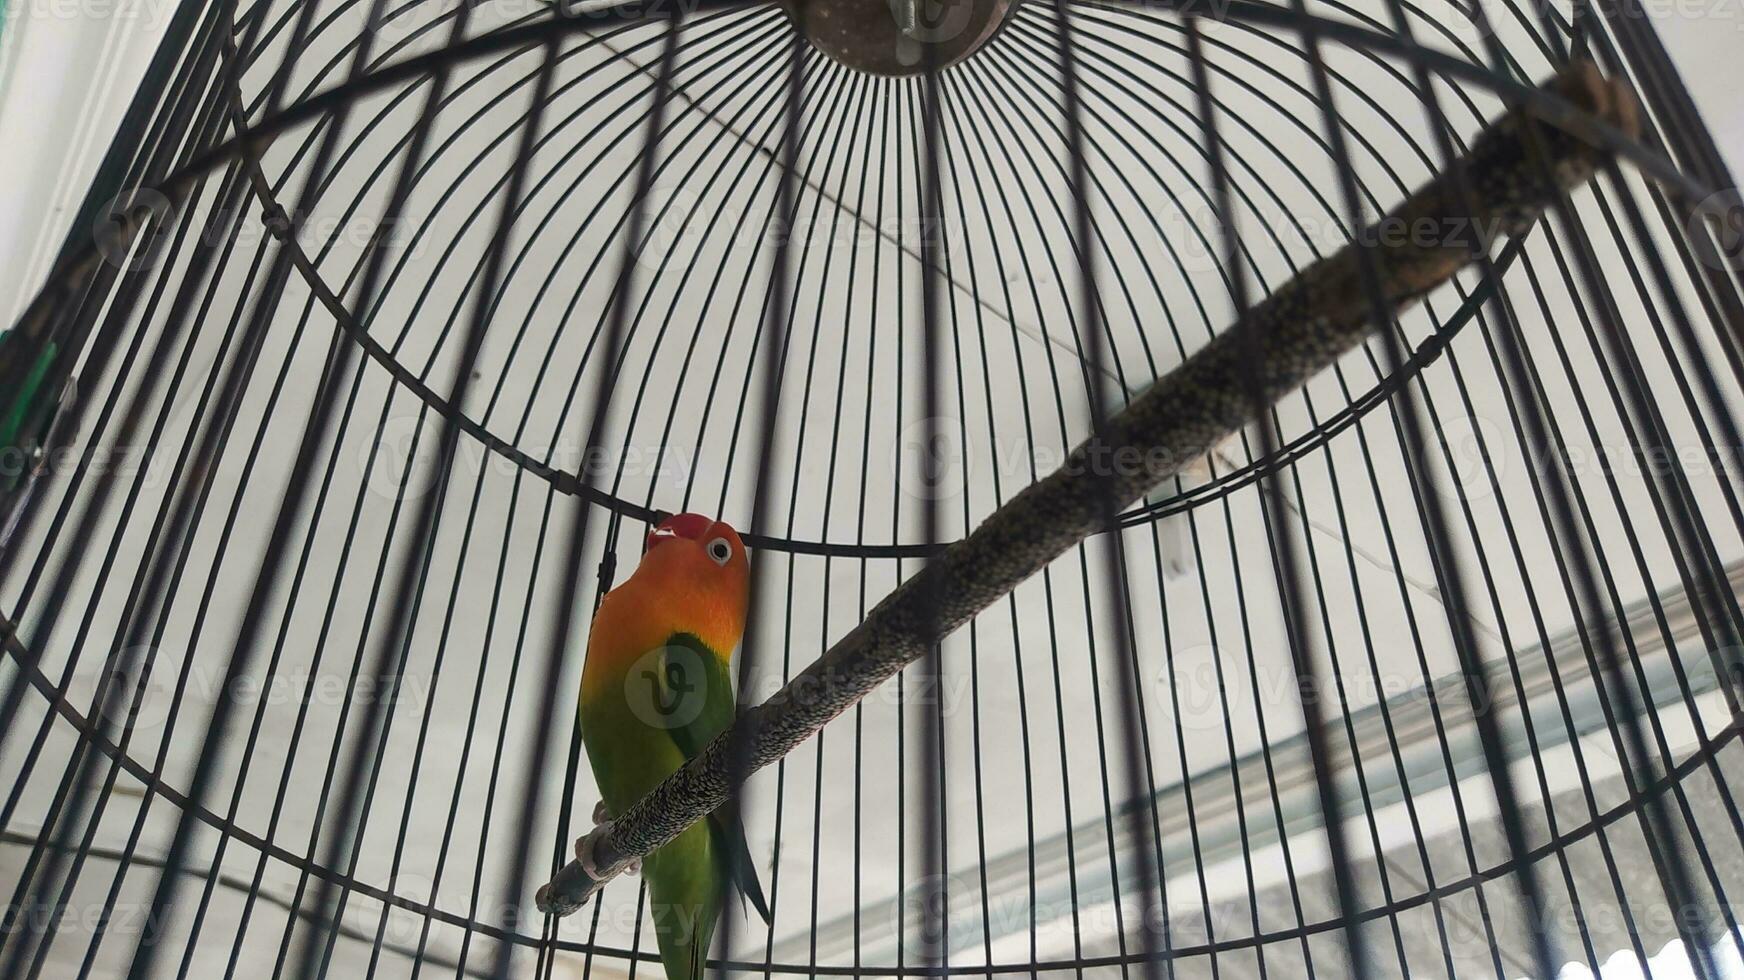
{"x": 697, "y": 547}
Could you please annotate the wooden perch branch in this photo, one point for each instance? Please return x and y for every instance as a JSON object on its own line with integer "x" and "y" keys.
{"x": 1300, "y": 329}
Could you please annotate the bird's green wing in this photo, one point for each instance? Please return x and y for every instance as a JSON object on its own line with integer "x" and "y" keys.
{"x": 699, "y": 696}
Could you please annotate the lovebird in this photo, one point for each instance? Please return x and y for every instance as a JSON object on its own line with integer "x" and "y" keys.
{"x": 656, "y": 687}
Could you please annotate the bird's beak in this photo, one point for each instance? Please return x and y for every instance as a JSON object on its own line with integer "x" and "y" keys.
{"x": 693, "y": 526}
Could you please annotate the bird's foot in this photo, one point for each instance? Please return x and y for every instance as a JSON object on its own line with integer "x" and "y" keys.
{"x": 583, "y": 848}
{"x": 584, "y": 854}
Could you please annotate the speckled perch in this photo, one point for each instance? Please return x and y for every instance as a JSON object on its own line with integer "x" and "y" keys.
{"x": 1301, "y": 329}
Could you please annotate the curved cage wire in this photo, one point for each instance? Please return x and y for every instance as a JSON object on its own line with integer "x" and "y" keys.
{"x": 389, "y": 328}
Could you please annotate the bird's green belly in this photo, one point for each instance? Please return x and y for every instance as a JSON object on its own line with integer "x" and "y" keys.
{"x": 630, "y": 758}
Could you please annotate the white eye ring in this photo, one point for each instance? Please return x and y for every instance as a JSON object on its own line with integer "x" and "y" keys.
{"x": 720, "y": 551}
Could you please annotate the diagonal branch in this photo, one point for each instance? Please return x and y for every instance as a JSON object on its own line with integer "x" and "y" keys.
{"x": 1301, "y": 329}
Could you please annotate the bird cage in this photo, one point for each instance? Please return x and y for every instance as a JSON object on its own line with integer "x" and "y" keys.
{"x": 1233, "y": 489}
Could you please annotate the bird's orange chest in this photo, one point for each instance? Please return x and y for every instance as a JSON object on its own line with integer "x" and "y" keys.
{"x": 643, "y": 615}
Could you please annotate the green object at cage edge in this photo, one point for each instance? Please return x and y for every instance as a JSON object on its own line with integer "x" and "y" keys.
{"x": 23, "y": 421}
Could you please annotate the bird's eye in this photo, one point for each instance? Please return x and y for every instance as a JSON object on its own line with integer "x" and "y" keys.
{"x": 720, "y": 551}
